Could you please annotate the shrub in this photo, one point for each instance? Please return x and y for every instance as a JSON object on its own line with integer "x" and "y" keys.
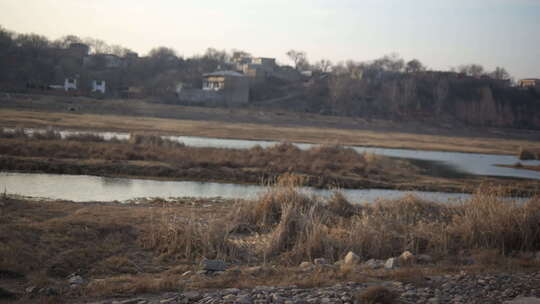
{"x": 528, "y": 154}
{"x": 376, "y": 295}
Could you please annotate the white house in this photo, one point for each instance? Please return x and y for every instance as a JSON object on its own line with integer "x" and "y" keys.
{"x": 98, "y": 86}
{"x": 70, "y": 84}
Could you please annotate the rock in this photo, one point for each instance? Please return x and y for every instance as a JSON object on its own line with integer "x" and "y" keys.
{"x": 213, "y": 265}
{"x": 351, "y": 259}
{"x": 305, "y": 265}
{"x": 187, "y": 273}
{"x": 232, "y": 290}
{"x": 407, "y": 258}
{"x": 76, "y": 280}
{"x": 524, "y": 300}
{"x": 31, "y": 289}
{"x": 192, "y": 295}
{"x": 245, "y": 299}
{"x": 391, "y": 263}
{"x": 168, "y": 301}
{"x": 320, "y": 261}
{"x": 374, "y": 264}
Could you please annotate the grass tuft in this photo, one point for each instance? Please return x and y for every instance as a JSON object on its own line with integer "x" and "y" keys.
{"x": 376, "y": 295}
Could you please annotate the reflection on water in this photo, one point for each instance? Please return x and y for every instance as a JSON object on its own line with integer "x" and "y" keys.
{"x": 81, "y": 188}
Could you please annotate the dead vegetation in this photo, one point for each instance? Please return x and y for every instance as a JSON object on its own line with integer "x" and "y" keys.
{"x": 147, "y": 248}
{"x": 146, "y": 155}
{"x": 291, "y": 226}
{"x": 528, "y": 154}
{"x": 377, "y": 295}
{"x": 302, "y": 227}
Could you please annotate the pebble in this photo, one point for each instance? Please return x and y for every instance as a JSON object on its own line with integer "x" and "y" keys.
{"x": 460, "y": 288}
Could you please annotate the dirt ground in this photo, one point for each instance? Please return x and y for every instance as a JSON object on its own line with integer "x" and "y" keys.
{"x": 255, "y": 123}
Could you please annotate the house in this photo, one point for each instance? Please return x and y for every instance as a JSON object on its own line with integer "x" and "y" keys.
{"x": 233, "y": 86}
{"x": 98, "y": 86}
{"x": 269, "y": 63}
{"x": 70, "y": 84}
{"x": 257, "y": 69}
{"x": 529, "y": 83}
{"x": 219, "y": 88}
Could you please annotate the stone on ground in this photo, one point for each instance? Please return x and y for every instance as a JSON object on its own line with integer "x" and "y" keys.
{"x": 524, "y": 300}
{"x": 391, "y": 263}
{"x": 351, "y": 258}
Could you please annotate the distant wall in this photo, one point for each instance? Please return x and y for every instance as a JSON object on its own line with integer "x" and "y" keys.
{"x": 235, "y": 93}
{"x": 198, "y": 96}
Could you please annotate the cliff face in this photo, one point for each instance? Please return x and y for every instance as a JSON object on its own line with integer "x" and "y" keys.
{"x": 478, "y": 102}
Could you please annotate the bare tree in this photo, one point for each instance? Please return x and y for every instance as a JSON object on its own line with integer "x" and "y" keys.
{"x": 473, "y": 70}
{"x": 500, "y": 73}
{"x": 119, "y": 50}
{"x": 66, "y": 41}
{"x": 299, "y": 58}
{"x": 239, "y": 55}
{"x": 216, "y": 55}
{"x": 323, "y": 65}
{"x": 392, "y": 63}
{"x": 98, "y": 46}
{"x": 162, "y": 53}
{"x": 414, "y": 66}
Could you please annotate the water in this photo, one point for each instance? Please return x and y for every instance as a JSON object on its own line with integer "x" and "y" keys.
{"x": 83, "y": 188}
{"x": 469, "y": 163}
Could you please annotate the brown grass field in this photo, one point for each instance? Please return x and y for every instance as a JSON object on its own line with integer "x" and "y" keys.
{"x": 253, "y": 123}
{"x": 136, "y": 249}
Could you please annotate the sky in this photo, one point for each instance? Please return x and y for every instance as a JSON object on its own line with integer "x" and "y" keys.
{"x": 440, "y": 33}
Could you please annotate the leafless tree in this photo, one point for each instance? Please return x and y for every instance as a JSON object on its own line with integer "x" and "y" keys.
{"x": 239, "y": 55}
{"x": 66, "y": 41}
{"x": 392, "y": 63}
{"x": 473, "y": 70}
{"x": 500, "y": 73}
{"x": 414, "y": 66}
{"x": 299, "y": 58}
{"x": 323, "y": 65}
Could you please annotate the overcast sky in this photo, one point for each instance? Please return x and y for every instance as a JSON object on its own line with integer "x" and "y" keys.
{"x": 441, "y": 33}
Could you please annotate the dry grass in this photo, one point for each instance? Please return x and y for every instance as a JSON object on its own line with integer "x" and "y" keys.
{"x": 528, "y": 154}
{"x": 145, "y": 249}
{"x": 174, "y": 235}
{"x": 323, "y": 166}
{"x": 300, "y": 227}
{"x": 134, "y": 284}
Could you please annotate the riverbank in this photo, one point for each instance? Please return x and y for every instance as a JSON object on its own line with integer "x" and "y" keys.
{"x": 152, "y": 157}
{"x": 67, "y": 252}
{"x": 255, "y": 124}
